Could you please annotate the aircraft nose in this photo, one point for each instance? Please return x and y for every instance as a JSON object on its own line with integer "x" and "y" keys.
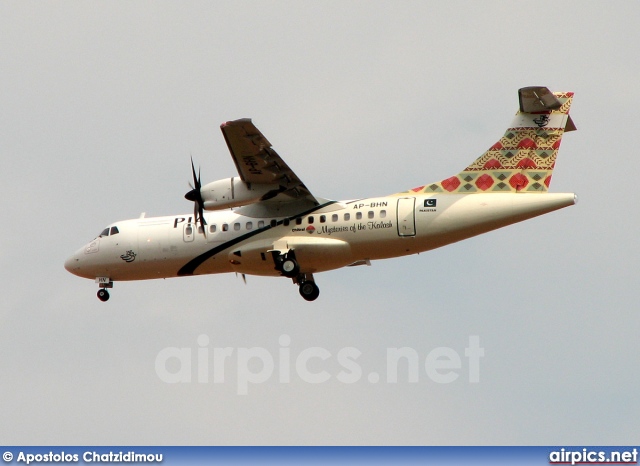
{"x": 71, "y": 264}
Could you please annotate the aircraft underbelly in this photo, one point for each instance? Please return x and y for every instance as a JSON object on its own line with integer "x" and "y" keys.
{"x": 314, "y": 254}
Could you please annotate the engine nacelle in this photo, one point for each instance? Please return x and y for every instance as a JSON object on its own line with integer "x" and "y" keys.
{"x": 233, "y": 192}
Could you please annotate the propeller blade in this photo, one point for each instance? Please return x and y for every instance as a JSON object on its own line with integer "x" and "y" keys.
{"x": 195, "y": 180}
{"x": 195, "y": 196}
{"x": 203, "y": 222}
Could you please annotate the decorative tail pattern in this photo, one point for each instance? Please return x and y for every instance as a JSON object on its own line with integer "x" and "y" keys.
{"x": 524, "y": 158}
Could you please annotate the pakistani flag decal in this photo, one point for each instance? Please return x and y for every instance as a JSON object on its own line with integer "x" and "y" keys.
{"x": 430, "y": 202}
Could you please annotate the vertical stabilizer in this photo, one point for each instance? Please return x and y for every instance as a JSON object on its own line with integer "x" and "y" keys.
{"x": 524, "y": 158}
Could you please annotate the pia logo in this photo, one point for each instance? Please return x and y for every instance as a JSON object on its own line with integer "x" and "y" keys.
{"x": 541, "y": 120}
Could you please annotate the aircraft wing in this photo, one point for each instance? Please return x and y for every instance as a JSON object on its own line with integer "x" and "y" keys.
{"x": 258, "y": 163}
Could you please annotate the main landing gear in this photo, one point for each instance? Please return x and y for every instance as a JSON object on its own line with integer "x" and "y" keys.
{"x": 289, "y": 267}
{"x": 286, "y": 263}
{"x": 104, "y": 283}
{"x": 309, "y": 290}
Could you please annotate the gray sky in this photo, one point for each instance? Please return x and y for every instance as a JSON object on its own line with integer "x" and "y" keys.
{"x": 101, "y": 105}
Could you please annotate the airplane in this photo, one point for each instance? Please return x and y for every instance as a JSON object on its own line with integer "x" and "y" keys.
{"x": 267, "y": 222}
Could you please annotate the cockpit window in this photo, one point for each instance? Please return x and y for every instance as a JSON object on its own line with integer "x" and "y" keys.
{"x": 114, "y": 231}
{"x": 105, "y": 232}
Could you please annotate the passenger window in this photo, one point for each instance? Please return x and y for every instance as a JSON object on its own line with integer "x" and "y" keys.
{"x": 249, "y": 225}
{"x": 261, "y": 224}
{"x": 225, "y": 227}
{"x": 189, "y": 230}
{"x": 114, "y": 231}
{"x": 383, "y": 213}
{"x": 286, "y": 222}
{"x": 299, "y": 221}
{"x": 212, "y": 228}
{"x": 200, "y": 230}
{"x": 358, "y": 215}
{"x": 236, "y": 226}
{"x": 105, "y": 232}
{"x": 334, "y": 218}
{"x": 323, "y": 218}
{"x": 370, "y": 214}
{"x": 347, "y": 216}
{"x": 311, "y": 220}
{"x": 274, "y": 223}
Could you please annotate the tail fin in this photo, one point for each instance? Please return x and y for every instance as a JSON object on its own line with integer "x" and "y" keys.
{"x": 524, "y": 158}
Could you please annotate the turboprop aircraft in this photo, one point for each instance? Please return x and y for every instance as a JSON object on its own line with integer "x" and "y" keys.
{"x": 267, "y": 222}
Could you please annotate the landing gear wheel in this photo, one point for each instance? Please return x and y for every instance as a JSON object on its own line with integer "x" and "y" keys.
{"x": 309, "y": 290}
{"x": 103, "y": 295}
{"x": 290, "y": 268}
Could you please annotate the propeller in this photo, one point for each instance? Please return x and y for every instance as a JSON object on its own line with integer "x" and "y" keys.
{"x": 195, "y": 196}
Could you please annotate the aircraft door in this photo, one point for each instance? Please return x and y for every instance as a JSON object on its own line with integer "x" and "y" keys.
{"x": 189, "y": 232}
{"x": 407, "y": 216}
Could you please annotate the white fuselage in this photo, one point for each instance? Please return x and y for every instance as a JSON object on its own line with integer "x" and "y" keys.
{"x": 330, "y": 236}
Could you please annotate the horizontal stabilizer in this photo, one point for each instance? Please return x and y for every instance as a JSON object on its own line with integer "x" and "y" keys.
{"x": 537, "y": 99}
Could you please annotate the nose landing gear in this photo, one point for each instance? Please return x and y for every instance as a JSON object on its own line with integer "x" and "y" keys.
{"x": 104, "y": 283}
